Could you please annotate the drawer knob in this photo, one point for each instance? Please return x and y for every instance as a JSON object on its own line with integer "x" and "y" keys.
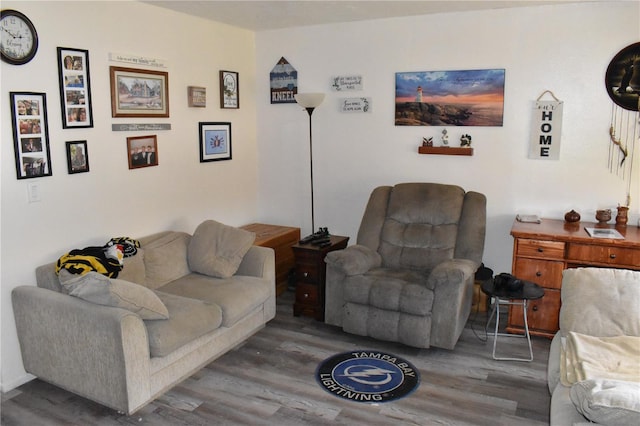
{"x": 538, "y": 274}
{"x": 612, "y": 256}
{"x": 535, "y": 308}
{"x": 306, "y": 274}
{"x": 540, "y": 249}
{"x": 306, "y": 295}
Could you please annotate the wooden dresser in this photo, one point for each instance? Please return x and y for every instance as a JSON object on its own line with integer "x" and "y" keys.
{"x": 542, "y": 251}
{"x": 311, "y": 273}
{"x": 280, "y": 239}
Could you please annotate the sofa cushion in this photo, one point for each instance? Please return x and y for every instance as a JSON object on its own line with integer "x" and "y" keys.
{"x": 165, "y": 257}
{"x": 600, "y": 302}
{"x": 188, "y": 320}
{"x": 609, "y": 402}
{"x": 133, "y": 269}
{"x": 237, "y": 296}
{"x": 217, "y": 249}
{"x": 101, "y": 290}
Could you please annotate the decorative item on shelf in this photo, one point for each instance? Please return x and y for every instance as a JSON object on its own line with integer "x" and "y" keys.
{"x": 572, "y": 216}
{"x": 445, "y": 138}
{"x": 310, "y": 101}
{"x": 465, "y": 140}
{"x": 427, "y": 142}
{"x": 603, "y": 216}
{"x": 622, "y": 216}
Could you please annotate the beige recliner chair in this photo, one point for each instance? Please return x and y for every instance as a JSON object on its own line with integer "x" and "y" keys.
{"x": 409, "y": 277}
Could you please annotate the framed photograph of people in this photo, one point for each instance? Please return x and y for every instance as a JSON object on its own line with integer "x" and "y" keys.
{"x": 77, "y": 157}
{"x": 229, "y": 90}
{"x": 142, "y": 151}
{"x": 139, "y": 93}
{"x": 215, "y": 141}
{"x": 30, "y": 134}
{"x": 75, "y": 88}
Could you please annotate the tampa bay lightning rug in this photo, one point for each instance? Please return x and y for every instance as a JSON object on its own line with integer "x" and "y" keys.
{"x": 367, "y": 376}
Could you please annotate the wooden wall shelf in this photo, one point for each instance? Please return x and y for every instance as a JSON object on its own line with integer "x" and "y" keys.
{"x": 443, "y": 150}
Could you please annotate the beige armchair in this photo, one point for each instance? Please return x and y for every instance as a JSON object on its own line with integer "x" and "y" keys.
{"x": 409, "y": 277}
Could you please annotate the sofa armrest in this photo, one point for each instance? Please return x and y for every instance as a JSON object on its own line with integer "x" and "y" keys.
{"x": 452, "y": 284}
{"x": 258, "y": 262}
{"x": 98, "y": 352}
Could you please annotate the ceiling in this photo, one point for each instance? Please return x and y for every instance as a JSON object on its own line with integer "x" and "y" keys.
{"x": 270, "y": 15}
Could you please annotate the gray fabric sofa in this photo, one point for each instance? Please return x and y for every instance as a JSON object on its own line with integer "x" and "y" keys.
{"x": 112, "y": 355}
{"x": 409, "y": 277}
{"x": 602, "y": 303}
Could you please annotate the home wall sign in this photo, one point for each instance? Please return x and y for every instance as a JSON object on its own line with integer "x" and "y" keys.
{"x": 355, "y": 105}
{"x": 546, "y": 128}
{"x": 450, "y": 98}
{"x": 283, "y": 83}
{"x": 346, "y": 83}
{"x": 136, "y": 127}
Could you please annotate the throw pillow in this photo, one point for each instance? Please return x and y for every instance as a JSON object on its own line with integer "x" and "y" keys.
{"x": 610, "y": 402}
{"x": 101, "y": 290}
{"x": 216, "y": 249}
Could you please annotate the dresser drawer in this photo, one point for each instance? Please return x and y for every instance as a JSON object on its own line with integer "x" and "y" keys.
{"x": 615, "y": 256}
{"x": 542, "y": 314}
{"x": 306, "y": 294}
{"x": 540, "y": 248}
{"x": 545, "y": 273}
{"x": 308, "y": 273}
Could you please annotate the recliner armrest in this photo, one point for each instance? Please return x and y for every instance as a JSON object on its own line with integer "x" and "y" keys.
{"x": 452, "y": 284}
{"x": 354, "y": 260}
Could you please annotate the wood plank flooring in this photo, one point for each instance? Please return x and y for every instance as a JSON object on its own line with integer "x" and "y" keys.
{"x": 269, "y": 380}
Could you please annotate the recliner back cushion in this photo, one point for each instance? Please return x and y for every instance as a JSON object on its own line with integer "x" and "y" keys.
{"x": 421, "y": 225}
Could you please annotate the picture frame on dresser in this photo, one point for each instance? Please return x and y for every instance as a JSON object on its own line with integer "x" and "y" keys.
{"x": 30, "y": 134}
{"x": 75, "y": 88}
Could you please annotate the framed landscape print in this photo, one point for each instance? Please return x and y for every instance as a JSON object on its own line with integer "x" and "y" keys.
{"x": 142, "y": 151}
{"x": 75, "y": 88}
{"x": 139, "y": 93}
{"x": 30, "y": 134}
{"x": 215, "y": 141}
{"x": 77, "y": 157}
{"x": 229, "y": 90}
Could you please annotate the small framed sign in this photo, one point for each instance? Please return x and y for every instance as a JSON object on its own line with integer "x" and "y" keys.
{"x": 229, "y": 90}
{"x": 197, "y": 96}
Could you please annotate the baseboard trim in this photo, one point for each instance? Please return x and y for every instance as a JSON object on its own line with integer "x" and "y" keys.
{"x": 6, "y": 387}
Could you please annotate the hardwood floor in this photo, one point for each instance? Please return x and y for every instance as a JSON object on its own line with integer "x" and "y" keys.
{"x": 269, "y": 380}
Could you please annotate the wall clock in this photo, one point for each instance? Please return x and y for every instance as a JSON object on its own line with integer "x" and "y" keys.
{"x": 18, "y": 37}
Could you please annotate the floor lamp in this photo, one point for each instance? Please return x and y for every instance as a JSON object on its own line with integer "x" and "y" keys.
{"x": 310, "y": 101}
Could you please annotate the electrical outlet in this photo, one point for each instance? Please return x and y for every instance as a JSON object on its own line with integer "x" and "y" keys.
{"x": 33, "y": 190}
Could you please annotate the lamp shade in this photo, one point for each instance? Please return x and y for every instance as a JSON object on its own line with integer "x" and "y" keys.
{"x": 309, "y": 100}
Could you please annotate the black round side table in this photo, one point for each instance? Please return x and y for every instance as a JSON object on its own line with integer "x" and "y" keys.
{"x": 521, "y": 297}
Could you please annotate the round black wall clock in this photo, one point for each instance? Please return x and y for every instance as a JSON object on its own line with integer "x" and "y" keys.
{"x": 18, "y": 37}
{"x": 623, "y": 77}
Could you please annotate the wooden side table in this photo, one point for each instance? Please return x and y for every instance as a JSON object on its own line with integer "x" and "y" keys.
{"x": 310, "y": 276}
{"x": 280, "y": 239}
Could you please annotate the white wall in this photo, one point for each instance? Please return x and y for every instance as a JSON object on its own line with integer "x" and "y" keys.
{"x": 565, "y": 49}
{"x": 111, "y": 200}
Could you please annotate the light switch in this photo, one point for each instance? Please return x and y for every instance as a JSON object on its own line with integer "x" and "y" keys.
{"x": 34, "y": 192}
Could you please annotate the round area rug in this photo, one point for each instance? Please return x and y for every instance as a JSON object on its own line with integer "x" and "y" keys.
{"x": 367, "y": 376}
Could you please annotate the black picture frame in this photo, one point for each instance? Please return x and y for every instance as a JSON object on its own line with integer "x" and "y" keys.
{"x": 75, "y": 88}
{"x": 77, "y": 157}
{"x": 229, "y": 90}
{"x": 215, "y": 141}
{"x": 30, "y": 134}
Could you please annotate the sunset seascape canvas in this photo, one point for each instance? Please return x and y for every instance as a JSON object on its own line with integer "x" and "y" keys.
{"x": 450, "y": 98}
